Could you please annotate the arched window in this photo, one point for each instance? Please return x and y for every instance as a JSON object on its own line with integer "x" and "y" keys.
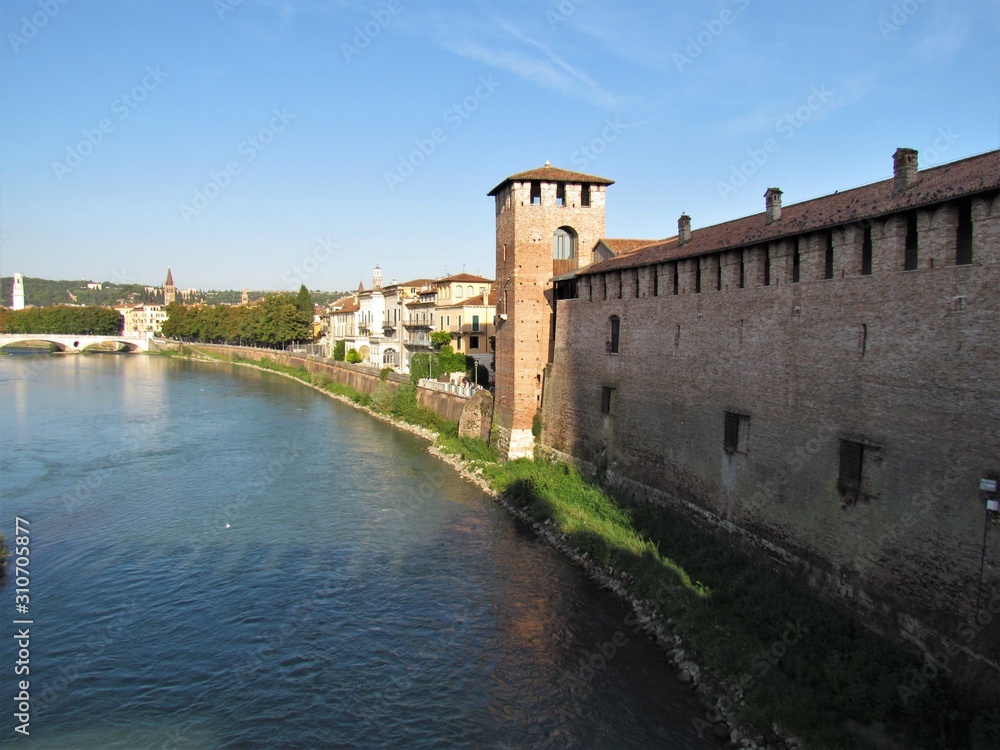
{"x": 470, "y": 291}
{"x": 389, "y": 357}
{"x": 615, "y": 325}
{"x": 564, "y": 244}
{"x": 458, "y": 291}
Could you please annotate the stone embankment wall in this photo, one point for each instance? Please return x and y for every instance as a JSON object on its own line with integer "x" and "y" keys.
{"x": 361, "y": 378}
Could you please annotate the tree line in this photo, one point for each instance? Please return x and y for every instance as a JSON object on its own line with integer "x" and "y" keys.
{"x": 63, "y": 319}
{"x": 279, "y": 320}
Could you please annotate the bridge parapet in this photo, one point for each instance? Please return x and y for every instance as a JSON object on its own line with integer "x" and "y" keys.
{"x": 76, "y": 344}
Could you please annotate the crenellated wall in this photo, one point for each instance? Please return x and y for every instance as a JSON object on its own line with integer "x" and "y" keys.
{"x": 903, "y": 363}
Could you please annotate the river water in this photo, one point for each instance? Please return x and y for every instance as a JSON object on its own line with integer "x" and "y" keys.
{"x": 221, "y": 557}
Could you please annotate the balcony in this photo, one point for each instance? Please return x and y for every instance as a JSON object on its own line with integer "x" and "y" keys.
{"x": 417, "y": 343}
{"x": 417, "y": 324}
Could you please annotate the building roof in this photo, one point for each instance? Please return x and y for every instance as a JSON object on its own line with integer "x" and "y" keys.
{"x": 170, "y": 278}
{"x": 465, "y": 278}
{"x": 945, "y": 182}
{"x": 476, "y": 301}
{"x": 548, "y": 173}
{"x": 623, "y": 246}
{"x": 345, "y": 305}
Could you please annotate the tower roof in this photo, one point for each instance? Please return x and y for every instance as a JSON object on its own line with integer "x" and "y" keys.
{"x": 170, "y": 277}
{"x": 549, "y": 173}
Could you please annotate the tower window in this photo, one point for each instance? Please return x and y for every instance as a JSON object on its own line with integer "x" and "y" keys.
{"x": 656, "y": 281}
{"x": 607, "y": 394}
{"x": 743, "y": 270}
{"x": 615, "y": 325}
{"x": 536, "y": 193}
{"x": 697, "y": 275}
{"x": 963, "y": 240}
{"x": 585, "y": 195}
{"x": 563, "y": 245}
{"x": 767, "y": 266}
{"x": 560, "y": 194}
{"x": 866, "y": 252}
{"x": 796, "y": 264}
{"x": 910, "y": 260}
{"x": 677, "y": 279}
{"x": 851, "y": 462}
{"x": 718, "y": 273}
{"x": 735, "y": 432}
{"x": 828, "y": 259}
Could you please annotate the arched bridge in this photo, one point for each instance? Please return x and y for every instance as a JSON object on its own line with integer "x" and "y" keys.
{"x": 76, "y": 343}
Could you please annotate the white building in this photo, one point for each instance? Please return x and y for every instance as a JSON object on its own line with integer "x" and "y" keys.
{"x": 17, "y": 294}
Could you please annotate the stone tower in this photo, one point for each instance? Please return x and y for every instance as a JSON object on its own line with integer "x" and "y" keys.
{"x": 245, "y": 297}
{"x": 17, "y": 293}
{"x": 548, "y": 221}
{"x": 169, "y": 290}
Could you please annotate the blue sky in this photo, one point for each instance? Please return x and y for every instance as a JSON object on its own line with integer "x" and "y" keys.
{"x": 267, "y": 143}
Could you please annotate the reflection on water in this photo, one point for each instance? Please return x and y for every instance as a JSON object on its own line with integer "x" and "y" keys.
{"x": 222, "y": 558}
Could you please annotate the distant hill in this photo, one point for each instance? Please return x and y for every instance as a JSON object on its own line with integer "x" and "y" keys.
{"x": 47, "y": 292}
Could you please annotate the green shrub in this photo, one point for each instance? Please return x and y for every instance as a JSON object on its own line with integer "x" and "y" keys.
{"x": 353, "y": 357}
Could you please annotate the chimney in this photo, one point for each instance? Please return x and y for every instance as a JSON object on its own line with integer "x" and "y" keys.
{"x": 904, "y": 169}
{"x": 683, "y": 229}
{"x": 772, "y": 204}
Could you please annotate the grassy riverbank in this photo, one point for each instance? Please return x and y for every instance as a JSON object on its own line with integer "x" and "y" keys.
{"x": 794, "y": 661}
{"x": 788, "y": 659}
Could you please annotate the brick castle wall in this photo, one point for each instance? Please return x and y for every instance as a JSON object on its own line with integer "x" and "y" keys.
{"x": 906, "y": 363}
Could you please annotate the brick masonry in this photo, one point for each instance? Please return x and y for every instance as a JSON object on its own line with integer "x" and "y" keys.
{"x": 524, "y": 300}
{"x": 904, "y": 363}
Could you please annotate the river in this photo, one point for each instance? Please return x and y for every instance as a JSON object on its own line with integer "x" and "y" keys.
{"x": 221, "y": 557}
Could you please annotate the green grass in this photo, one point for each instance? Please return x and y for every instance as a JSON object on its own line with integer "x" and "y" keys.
{"x": 734, "y": 612}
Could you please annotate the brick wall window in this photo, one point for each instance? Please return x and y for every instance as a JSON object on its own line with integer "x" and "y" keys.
{"x": 743, "y": 269}
{"x": 828, "y": 259}
{"x": 536, "y": 193}
{"x": 735, "y": 432}
{"x": 866, "y": 252}
{"x": 585, "y": 195}
{"x": 963, "y": 240}
{"x": 767, "y": 266}
{"x": 614, "y": 325}
{"x": 473, "y": 342}
{"x": 852, "y": 457}
{"x": 697, "y": 275}
{"x": 796, "y": 263}
{"x": 910, "y": 260}
{"x": 607, "y": 399}
{"x": 677, "y": 279}
{"x": 637, "y": 283}
{"x": 656, "y": 281}
{"x": 560, "y": 194}
{"x": 718, "y": 274}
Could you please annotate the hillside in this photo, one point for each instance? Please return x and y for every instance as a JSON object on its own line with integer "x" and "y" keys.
{"x": 47, "y": 292}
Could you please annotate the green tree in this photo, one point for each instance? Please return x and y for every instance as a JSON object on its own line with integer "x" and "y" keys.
{"x": 303, "y": 300}
{"x": 338, "y": 350}
{"x": 353, "y": 357}
{"x": 440, "y": 338}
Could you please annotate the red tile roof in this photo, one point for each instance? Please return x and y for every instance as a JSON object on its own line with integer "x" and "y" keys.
{"x": 464, "y": 277}
{"x": 948, "y": 181}
{"x": 553, "y": 174}
{"x": 476, "y": 301}
{"x": 624, "y": 246}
